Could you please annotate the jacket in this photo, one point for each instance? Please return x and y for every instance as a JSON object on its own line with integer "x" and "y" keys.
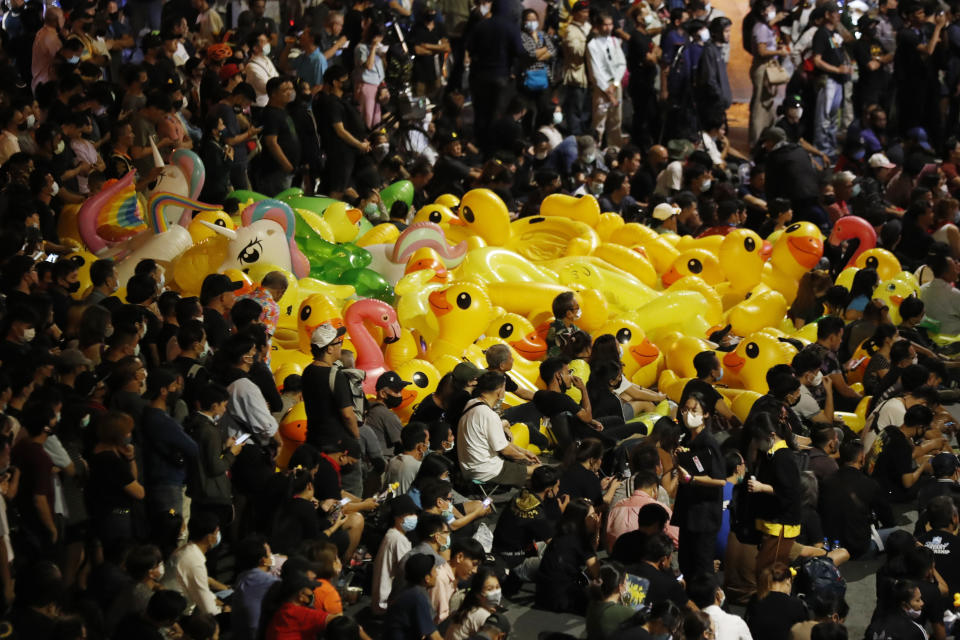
{"x": 575, "y": 54}
{"x": 166, "y": 449}
{"x": 712, "y": 83}
{"x": 208, "y": 482}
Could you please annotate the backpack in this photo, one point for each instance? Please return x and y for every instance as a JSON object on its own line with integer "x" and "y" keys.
{"x": 355, "y": 383}
{"x": 743, "y": 517}
{"x": 820, "y": 575}
{"x": 746, "y": 34}
{"x": 680, "y": 78}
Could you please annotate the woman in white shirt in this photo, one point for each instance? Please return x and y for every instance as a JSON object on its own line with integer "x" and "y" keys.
{"x": 481, "y": 601}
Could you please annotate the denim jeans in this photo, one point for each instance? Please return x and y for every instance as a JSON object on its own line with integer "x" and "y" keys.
{"x": 576, "y": 109}
{"x": 829, "y": 99}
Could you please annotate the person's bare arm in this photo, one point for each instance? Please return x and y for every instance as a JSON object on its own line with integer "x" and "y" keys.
{"x": 347, "y": 137}
{"x": 910, "y": 479}
{"x": 350, "y": 421}
{"x": 926, "y": 50}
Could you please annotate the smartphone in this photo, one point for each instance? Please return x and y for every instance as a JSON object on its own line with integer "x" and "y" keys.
{"x": 243, "y": 437}
{"x": 487, "y": 502}
{"x": 52, "y": 257}
{"x": 223, "y": 595}
{"x": 344, "y": 502}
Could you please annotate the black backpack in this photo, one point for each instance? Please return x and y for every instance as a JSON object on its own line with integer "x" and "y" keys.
{"x": 743, "y": 516}
{"x": 820, "y": 575}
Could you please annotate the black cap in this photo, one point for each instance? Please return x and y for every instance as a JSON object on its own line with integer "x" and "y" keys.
{"x": 217, "y": 284}
{"x": 391, "y": 380}
{"x": 498, "y": 621}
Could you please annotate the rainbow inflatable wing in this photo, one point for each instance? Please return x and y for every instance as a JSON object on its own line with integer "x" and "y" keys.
{"x": 111, "y": 216}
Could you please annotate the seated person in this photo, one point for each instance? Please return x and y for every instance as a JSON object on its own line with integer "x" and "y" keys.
{"x": 646, "y": 470}
{"x": 911, "y": 315}
{"x": 410, "y": 614}
{"x": 815, "y": 406}
{"x": 655, "y": 570}
{"x": 607, "y": 347}
{"x": 395, "y": 545}
{"x": 529, "y": 520}
{"x": 946, "y": 474}
{"x": 566, "y": 311}
{"x": 570, "y": 554}
{"x": 403, "y": 468}
{"x": 899, "y": 463}
{"x": 943, "y": 538}
{"x": 830, "y": 337}
{"x": 896, "y": 619}
{"x": 436, "y": 497}
{"x": 500, "y": 358}
{"x": 580, "y": 478}
{"x": 879, "y": 347}
{"x": 482, "y": 440}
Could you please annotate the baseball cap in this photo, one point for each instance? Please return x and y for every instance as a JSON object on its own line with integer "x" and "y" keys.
{"x": 229, "y": 70}
{"x": 465, "y": 373}
{"x": 679, "y": 149}
{"x": 217, "y": 284}
{"x": 773, "y": 134}
{"x": 665, "y": 211}
{"x": 919, "y": 134}
{"x": 391, "y": 380}
{"x": 879, "y": 160}
{"x": 326, "y": 333}
{"x": 792, "y": 101}
{"x": 582, "y": 5}
{"x": 74, "y": 358}
{"x": 298, "y": 566}
{"x": 944, "y": 464}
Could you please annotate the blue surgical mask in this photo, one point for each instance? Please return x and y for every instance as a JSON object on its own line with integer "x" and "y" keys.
{"x": 856, "y": 190}
{"x": 73, "y": 60}
{"x": 720, "y": 377}
{"x": 446, "y": 545}
{"x": 409, "y": 523}
{"x": 219, "y": 539}
{"x": 447, "y": 514}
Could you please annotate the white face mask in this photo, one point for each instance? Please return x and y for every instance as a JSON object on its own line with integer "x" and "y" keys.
{"x": 531, "y": 26}
{"x": 484, "y": 9}
{"x": 447, "y": 446}
{"x": 577, "y": 315}
{"x": 158, "y": 572}
{"x": 493, "y": 597}
{"x": 704, "y": 35}
{"x": 817, "y": 379}
{"x": 136, "y": 350}
{"x": 706, "y": 185}
{"x": 693, "y": 419}
{"x": 266, "y": 49}
{"x": 914, "y": 613}
{"x": 771, "y": 14}
{"x": 799, "y": 113}
{"x": 29, "y": 335}
{"x": 60, "y": 147}
{"x": 557, "y": 117}
{"x": 54, "y": 189}
{"x": 915, "y": 360}
{"x": 31, "y": 121}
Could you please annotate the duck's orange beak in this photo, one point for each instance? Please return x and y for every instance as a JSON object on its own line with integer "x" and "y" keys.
{"x": 532, "y": 346}
{"x": 733, "y": 362}
{"x": 896, "y": 300}
{"x": 354, "y": 215}
{"x": 408, "y": 397}
{"x": 806, "y": 250}
{"x": 645, "y": 353}
{"x": 455, "y": 221}
{"x": 438, "y": 302}
{"x": 671, "y": 276}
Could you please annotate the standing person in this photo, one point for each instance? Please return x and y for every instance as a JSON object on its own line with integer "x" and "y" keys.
{"x": 340, "y": 128}
{"x": 915, "y": 69}
{"x": 281, "y": 146}
{"x": 712, "y": 86}
{"x": 763, "y": 46}
{"x": 537, "y": 78}
{"x": 326, "y": 391}
{"x": 241, "y": 97}
{"x": 830, "y": 62}
{"x": 168, "y": 451}
{"x": 429, "y": 45}
{"x": 370, "y": 72}
{"x": 46, "y": 47}
{"x": 494, "y": 46}
{"x": 576, "y": 101}
{"x": 260, "y": 68}
{"x": 698, "y": 510}
{"x": 607, "y": 68}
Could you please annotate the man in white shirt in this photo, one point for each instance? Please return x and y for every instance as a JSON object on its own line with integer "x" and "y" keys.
{"x": 395, "y": 546}
{"x": 189, "y": 575}
{"x": 707, "y": 595}
{"x": 607, "y": 68}
{"x": 941, "y": 298}
{"x": 482, "y": 439}
{"x": 260, "y": 68}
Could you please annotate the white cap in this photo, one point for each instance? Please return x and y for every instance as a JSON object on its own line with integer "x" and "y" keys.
{"x": 665, "y": 210}
{"x": 879, "y": 160}
{"x": 325, "y": 334}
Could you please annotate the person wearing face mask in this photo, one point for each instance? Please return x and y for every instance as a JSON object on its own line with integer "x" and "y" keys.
{"x": 900, "y": 620}
{"x": 483, "y": 449}
{"x": 830, "y": 337}
{"x": 208, "y": 484}
{"x": 260, "y": 68}
{"x": 566, "y": 311}
{"x": 815, "y": 406}
{"x": 20, "y": 323}
{"x": 529, "y": 521}
{"x": 707, "y": 595}
{"x": 217, "y": 158}
{"x": 188, "y": 564}
{"x": 296, "y": 615}
{"x": 607, "y": 67}
{"x": 698, "y": 507}
{"x": 169, "y": 452}
{"x": 380, "y": 415}
{"x": 765, "y": 50}
{"x": 144, "y": 564}
{"x": 11, "y": 117}
{"x": 709, "y": 373}
{"x": 478, "y": 605}
{"x": 395, "y": 545}
{"x": 901, "y": 463}
{"x": 403, "y": 468}
{"x": 66, "y": 277}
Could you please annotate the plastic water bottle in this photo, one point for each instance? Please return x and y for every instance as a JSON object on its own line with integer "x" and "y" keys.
{"x": 826, "y": 544}
{"x": 836, "y": 544}
{"x": 626, "y": 470}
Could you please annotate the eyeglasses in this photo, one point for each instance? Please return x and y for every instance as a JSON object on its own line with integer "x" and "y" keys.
{"x": 336, "y": 343}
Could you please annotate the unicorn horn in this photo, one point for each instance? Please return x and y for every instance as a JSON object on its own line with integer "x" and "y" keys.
{"x": 230, "y": 233}
{"x": 157, "y": 158}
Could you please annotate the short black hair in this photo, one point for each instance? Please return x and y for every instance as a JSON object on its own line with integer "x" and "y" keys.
{"x": 705, "y": 362}
{"x": 829, "y": 326}
{"x": 550, "y": 367}
{"x": 657, "y": 547}
{"x": 201, "y": 525}
{"x": 413, "y": 434}
{"x": 940, "y": 512}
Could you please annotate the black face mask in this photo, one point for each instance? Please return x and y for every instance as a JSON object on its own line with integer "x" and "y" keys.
{"x": 829, "y": 200}
{"x": 115, "y": 17}
{"x": 393, "y": 402}
{"x": 73, "y": 287}
{"x": 237, "y": 109}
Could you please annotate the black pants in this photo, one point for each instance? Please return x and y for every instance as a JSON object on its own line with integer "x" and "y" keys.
{"x": 490, "y": 97}
{"x": 696, "y": 552}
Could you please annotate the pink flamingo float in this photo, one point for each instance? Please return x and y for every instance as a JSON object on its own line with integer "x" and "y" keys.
{"x": 369, "y": 355}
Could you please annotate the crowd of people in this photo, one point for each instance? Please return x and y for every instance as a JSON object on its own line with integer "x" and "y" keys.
{"x": 147, "y": 491}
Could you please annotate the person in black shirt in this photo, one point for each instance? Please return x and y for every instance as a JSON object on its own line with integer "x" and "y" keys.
{"x": 326, "y": 391}
{"x": 570, "y": 554}
{"x": 428, "y": 41}
{"x": 943, "y": 539}
{"x": 832, "y": 69}
{"x": 900, "y": 619}
{"x": 340, "y": 129}
{"x": 849, "y": 499}
{"x": 699, "y": 506}
{"x": 944, "y": 481}
{"x": 655, "y": 569}
{"x": 451, "y": 174}
{"x": 709, "y": 373}
{"x": 915, "y": 69}
{"x": 581, "y": 477}
{"x": 216, "y": 296}
{"x": 773, "y": 611}
{"x": 900, "y": 464}
{"x": 530, "y": 518}
{"x": 281, "y": 146}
